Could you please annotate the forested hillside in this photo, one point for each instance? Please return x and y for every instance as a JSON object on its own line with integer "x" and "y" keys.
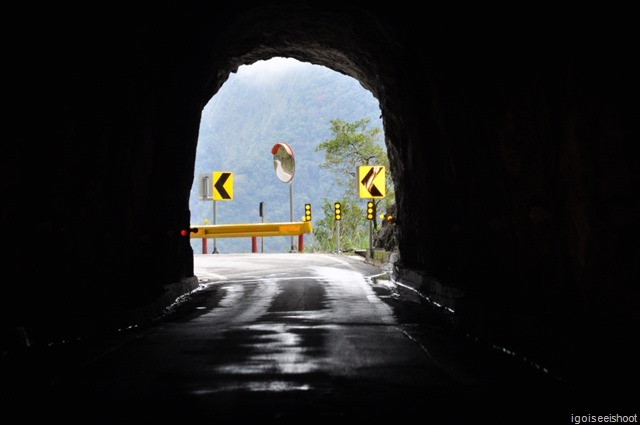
{"x": 257, "y": 107}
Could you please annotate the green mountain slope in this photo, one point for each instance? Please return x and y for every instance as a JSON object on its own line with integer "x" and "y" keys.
{"x": 256, "y": 108}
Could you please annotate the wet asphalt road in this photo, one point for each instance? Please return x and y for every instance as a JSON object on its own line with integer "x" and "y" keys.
{"x": 293, "y": 338}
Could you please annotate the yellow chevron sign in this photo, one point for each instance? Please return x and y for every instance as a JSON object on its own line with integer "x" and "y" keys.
{"x": 371, "y": 181}
{"x": 222, "y": 186}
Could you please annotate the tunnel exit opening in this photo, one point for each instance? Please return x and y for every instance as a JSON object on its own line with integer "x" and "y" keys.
{"x": 303, "y": 105}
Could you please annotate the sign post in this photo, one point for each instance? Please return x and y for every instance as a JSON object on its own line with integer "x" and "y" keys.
{"x": 215, "y": 241}
{"x": 262, "y": 220}
{"x": 337, "y": 215}
{"x": 205, "y": 188}
{"x": 372, "y": 185}
{"x": 222, "y": 191}
{"x": 285, "y": 165}
{"x": 371, "y": 215}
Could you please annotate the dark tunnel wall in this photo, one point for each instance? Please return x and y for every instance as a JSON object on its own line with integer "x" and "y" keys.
{"x": 523, "y": 203}
{"x": 509, "y": 137}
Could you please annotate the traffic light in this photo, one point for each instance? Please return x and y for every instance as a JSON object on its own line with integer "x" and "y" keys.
{"x": 307, "y": 212}
{"x": 371, "y": 210}
{"x": 338, "y": 211}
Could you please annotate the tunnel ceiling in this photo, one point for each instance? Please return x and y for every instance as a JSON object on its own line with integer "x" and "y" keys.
{"x": 344, "y": 38}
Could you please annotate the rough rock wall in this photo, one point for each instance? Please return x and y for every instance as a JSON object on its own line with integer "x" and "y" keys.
{"x": 515, "y": 187}
{"x": 523, "y": 202}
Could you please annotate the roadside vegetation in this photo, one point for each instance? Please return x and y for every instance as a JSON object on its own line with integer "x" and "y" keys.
{"x": 353, "y": 144}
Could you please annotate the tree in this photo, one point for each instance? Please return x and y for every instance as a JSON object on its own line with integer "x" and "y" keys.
{"x": 353, "y": 144}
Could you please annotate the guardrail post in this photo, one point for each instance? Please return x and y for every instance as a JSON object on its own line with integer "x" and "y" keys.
{"x": 205, "y": 249}
{"x": 301, "y": 242}
{"x": 254, "y": 244}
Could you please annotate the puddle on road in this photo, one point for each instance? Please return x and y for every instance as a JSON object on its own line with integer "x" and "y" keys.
{"x": 255, "y": 386}
{"x": 274, "y": 349}
{"x": 273, "y": 357}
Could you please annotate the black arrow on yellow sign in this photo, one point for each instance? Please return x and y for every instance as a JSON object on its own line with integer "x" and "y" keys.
{"x": 219, "y": 186}
{"x": 369, "y": 180}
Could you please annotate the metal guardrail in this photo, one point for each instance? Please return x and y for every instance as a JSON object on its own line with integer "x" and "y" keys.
{"x": 250, "y": 230}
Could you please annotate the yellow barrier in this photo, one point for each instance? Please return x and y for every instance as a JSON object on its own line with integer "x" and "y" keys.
{"x": 252, "y": 229}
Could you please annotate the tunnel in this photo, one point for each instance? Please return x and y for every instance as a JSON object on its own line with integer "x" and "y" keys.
{"x": 509, "y": 132}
